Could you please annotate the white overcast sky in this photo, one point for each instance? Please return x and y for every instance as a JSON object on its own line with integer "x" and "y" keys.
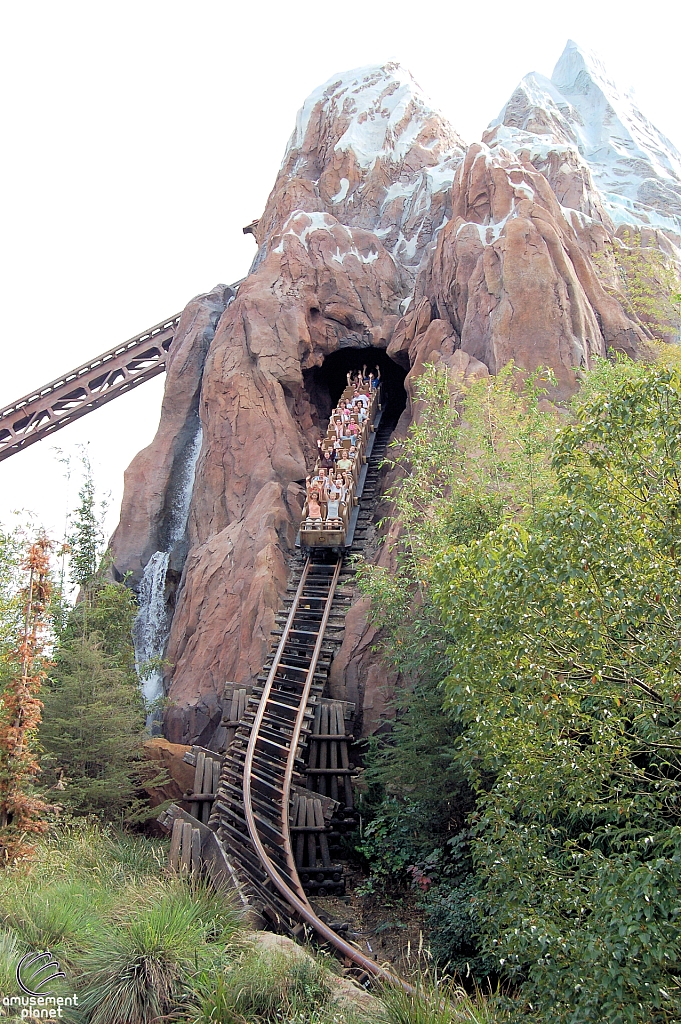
{"x": 139, "y": 137}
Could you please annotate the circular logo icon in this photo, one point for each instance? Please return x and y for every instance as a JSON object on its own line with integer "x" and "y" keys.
{"x": 36, "y": 970}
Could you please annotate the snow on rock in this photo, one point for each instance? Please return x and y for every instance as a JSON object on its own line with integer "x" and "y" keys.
{"x": 580, "y": 130}
{"x": 369, "y": 148}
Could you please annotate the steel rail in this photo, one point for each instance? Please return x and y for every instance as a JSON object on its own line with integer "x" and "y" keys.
{"x": 297, "y": 899}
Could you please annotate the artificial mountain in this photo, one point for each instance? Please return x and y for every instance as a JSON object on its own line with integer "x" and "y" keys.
{"x": 385, "y": 239}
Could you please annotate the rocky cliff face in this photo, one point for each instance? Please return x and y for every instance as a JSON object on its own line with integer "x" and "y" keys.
{"x": 384, "y": 237}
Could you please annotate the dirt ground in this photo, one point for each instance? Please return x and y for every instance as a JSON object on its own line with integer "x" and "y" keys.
{"x": 388, "y": 926}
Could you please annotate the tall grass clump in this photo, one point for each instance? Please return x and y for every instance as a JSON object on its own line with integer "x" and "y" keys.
{"x": 434, "y": 1000}
{"x": 141, "y": 966}
{"x": 268, "y": 988}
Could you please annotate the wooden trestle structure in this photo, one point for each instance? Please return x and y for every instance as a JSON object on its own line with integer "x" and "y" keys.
{"x": 284, "y": 793}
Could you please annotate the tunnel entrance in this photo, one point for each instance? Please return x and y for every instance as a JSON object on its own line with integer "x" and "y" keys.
{"x": 324, "y": 384}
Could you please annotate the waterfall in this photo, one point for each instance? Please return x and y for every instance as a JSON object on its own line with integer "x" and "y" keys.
{"x": 152, "y": 624}
{"x": 150, "y": 629}
{"x": 179, "y": 509}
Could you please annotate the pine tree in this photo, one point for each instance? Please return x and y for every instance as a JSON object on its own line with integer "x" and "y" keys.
{"x": 94, "y": 715}
{"x": 87, "y": 536}
{"x": 93, "y": 728}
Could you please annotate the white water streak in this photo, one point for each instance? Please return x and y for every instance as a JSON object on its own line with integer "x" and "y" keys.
{"x": 152, "y": 623}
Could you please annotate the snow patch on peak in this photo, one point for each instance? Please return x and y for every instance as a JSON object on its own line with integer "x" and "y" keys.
{"x": 295, "y": 225}
{"x": 342, "y": 191}
{"x": 383, "y": 106}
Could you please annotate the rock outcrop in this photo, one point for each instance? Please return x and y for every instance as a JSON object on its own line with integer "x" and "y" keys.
{"x": 384, "y": 237}
{"x": 509, "y": 279}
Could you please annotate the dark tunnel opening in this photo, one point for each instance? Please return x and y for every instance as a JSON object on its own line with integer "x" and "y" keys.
{"x": 324, "y": 384}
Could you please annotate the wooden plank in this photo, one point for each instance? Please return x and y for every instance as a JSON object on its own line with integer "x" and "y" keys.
{"x": 345, "y": 761}
{"x": 196, "y": 851}
{"x": 311, "y": 836}
{"x": 323, "y": 750}
{"x": 198, "y": 781}
{"x": 185, "y": 855}
{"x": 207, "y": 788}
{"x": 175, "y": 842}
{"x": 196, "y": 750}
{"x": 323, "y": 841}
{"x": 347, "y": 706}
{"x": 333, "y": 749}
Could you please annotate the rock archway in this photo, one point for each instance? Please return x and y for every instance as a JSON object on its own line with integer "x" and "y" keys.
{"x": 324, "y": 384}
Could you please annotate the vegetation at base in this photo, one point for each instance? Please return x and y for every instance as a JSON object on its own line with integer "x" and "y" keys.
{"x": 552, "y": 642}
{"x": 436, "y": 999}
{"x": 138, "y": 945}
{"x": 130, "y": 938}
{"x": 267, "y": 989}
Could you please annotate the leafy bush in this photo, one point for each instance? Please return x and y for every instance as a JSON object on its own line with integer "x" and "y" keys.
{"x": 454, "y": 930}
{"x": 571, "y": 717}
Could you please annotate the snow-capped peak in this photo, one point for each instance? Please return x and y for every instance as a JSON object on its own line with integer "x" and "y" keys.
{"x": 613, "y": 130}
{"x": 381, "y": 107}
{"x": 634, "y": 166}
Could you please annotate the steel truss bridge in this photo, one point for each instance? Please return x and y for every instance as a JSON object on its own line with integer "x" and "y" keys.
{"x": 115, "y": 372}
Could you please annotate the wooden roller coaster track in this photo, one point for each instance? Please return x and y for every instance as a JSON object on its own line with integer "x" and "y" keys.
{"x": 263, "y": 769}
{"x": 263, "y": 775}
{"x": 260, "y": 780}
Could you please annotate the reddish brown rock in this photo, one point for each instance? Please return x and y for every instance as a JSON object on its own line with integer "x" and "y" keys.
{"x": 369, "y": 149}
{"x": 511, "y": 278}
{"x": 151, "y": 479}
{"x": 167, "y": 759}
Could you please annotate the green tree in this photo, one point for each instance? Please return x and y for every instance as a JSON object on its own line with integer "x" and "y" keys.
{"x": 93, "y": 727}
{"x": 94, "y": 715}
{"x": 565, "y": 654}
{"x": 87, "y": 534}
